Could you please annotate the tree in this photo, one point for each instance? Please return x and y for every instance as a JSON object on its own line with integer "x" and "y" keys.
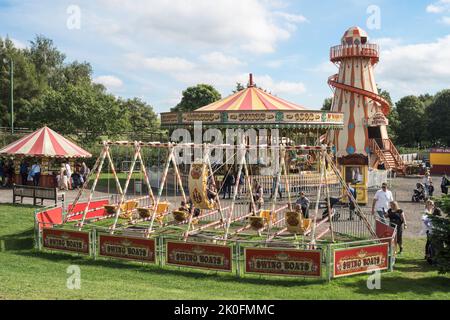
{"x": 239, "y": 87}
{"x": 196, "y": 97}
{"x": 327, "y": 103}
{"x": 412, "y": 126}
{"x": 393, "y": 117}
{"x": 45, "y": 56}
{"x": 440, "y": 237}
{"x": 26, "y": 85}
{"x": 141, "y": 116}
{"x": 83, "y": 110}
{"x": 439, "y": 119}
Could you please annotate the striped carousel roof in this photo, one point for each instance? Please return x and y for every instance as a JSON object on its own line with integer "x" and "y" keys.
{"x": 45, "y": 143}
{"x": 251, "y": 99}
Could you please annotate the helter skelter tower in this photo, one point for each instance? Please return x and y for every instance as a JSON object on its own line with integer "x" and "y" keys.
{"x": 364, "y": 140}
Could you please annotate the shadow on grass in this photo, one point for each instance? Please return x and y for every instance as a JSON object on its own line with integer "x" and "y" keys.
{"x": 401, "y": 285}
{"x": 18, "y": 241}
{"x": 168, "y": 270}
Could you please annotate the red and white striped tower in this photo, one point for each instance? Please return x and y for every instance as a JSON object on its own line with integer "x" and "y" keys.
{"x": 356, "y": 95}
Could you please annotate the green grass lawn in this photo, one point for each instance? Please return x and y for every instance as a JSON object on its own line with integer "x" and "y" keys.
{"x": 28, "y": 274}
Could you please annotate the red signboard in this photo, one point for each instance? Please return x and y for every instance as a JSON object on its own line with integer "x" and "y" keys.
{"x": 384, "y": 231}
{"x": 286, "y": 262}
{"x": 199, "y": 255}
{"x": 65, "y": 240}
{"x": 129, "y": 248}
{"x": 360, "y": 259}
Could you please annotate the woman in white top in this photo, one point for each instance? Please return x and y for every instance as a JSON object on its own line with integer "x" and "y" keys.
{"x": 427, "y": 227}
{"x": 426, "y": 182}
{"x": 69, "y": 174}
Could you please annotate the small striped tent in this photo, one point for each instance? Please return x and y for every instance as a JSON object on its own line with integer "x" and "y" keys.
{"x": 45, "y": 143}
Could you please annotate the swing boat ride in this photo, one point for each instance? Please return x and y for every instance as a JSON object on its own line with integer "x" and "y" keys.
{"x": 217, "y": 220}
{"x": 317, "y": 153}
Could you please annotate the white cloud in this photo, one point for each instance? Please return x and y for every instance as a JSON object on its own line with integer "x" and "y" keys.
{"x": 445, "y": 20}
{"x": 387, "y": 43}
{"x": 250, "y": 25}
{"x": 415, "y": 68}
{"x": 439, "y": 7}
{"x": 219, "y": 60}
{"x": 110, "y": 82}
{"x": 160, "y": 64}
{"x": 292, "y": 18}
{"x": 280, "y": 88}
{"x": 18, "y": 44}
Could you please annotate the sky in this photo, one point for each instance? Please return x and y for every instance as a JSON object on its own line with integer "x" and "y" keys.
{"x": 154, "y": 49}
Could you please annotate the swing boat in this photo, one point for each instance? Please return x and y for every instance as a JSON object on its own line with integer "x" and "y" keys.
{"x": 296, "y": 224}
{"x": 215, "y": 221}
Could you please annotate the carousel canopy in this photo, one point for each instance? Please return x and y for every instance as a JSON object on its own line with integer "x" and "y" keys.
{"x": 254, "y": 108}
{"x": 251, "y": 99}
{"x": 45, "y": 143}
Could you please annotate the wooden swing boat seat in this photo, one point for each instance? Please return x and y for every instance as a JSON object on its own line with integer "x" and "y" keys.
{"x": 161, "y": 211}
{"x": 296, "y": 224}
{"x": 180, "y": 215}
{"x": 260, "y": 221}
{"x": 126, "y": 209}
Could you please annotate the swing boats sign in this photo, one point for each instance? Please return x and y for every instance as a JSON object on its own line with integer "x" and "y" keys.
{"x": 128, "y": 248}
{"x": 285, "y": 262}
{"x": 199, "y": 255}
{"x": 360, "y": 259}
{"x": 65, "y": 240}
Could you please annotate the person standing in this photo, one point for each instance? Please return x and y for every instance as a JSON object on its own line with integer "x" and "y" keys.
{"x": 257, "y": 195}
{"x": 84, "y": 171}
{"x": 445, "y": 182}
{"x": 36, "y": 173}
{"x": 381, "y": 201}
{"x": 2, "y": 172}
{"x": 24, "y": 172}
{"x": 427, "y": 227}
{"x": 69, "y": 174}
{"x": 351, "y": 203}
{"x": 426, "y": 182}
{"x": 227, "y": 184}
{"x": 303, "y": 201}
{"x": 397, "y": 219}
{"x": 274, "y": 184}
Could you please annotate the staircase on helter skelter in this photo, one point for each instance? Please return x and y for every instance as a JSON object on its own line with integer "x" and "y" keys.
{"x": 385, "y": 152}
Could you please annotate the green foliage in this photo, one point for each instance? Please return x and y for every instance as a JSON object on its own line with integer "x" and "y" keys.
{"x": 50, "y": 91}
{"x": 239, "y": 87}
{"x": 412, "y": 126}
{"x": 327, "y": 103}
{"x": 439, "y": 119}
{"x": 196, "y": 97}
{"x": 440, "y": 236}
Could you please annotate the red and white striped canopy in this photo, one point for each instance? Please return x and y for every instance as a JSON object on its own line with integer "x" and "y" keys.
{"x": 45, "y": 143}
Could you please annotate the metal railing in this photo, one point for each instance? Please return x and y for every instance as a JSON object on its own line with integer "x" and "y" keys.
{"x": 347, "y": 51}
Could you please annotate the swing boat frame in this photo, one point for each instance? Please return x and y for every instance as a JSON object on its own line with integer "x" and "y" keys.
{"x": 258, "y": 224}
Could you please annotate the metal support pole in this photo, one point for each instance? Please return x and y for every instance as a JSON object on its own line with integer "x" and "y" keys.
{"x": 11, "y": 76}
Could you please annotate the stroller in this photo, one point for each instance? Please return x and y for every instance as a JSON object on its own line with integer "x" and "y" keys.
{"x": 419, "y": 193}
{"x": 333, "y": 202}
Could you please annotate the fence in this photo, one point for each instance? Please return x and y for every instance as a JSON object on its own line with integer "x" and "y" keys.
{"x": 293, "y": 257}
